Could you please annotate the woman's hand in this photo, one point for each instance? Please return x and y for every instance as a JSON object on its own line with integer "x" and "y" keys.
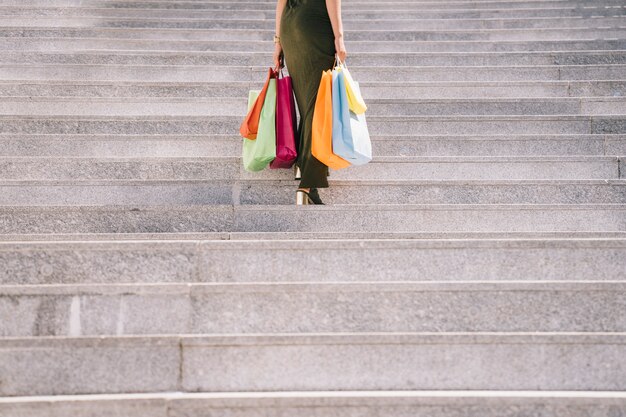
{"x": 278, "y": 56}
{"x": 340, "y": 48}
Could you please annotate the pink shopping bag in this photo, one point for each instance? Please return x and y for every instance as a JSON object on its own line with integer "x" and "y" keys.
{"x": 286, "y": 151}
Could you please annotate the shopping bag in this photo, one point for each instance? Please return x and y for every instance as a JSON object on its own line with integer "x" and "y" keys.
{"x": 250, "y": 125}
{"x": 357, "y": 105}
{"x": 258, "y": 153}
{"x": 322, "y": 130}
{"x": 286, "y": 126}
{"x": 342, "y": 134}
{"x": 351, "y": 139}
{"x": 361, "y": 141}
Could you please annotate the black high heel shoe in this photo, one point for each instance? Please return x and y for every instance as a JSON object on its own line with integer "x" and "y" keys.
{"x": 304, "y": 198}
{"x": 315, "y": 197}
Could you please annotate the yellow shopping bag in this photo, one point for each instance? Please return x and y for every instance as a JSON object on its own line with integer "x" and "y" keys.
{"x": 355, "y": 100}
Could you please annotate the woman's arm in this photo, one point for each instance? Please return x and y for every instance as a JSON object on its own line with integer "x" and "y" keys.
{"x": 334, "y": 12}
{"x": 278, "y": 49}
{"x": 280, "y": 6}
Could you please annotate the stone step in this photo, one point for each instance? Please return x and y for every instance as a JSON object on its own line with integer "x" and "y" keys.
{"x": 465, "y": 6}
{"x": 256, "y": 75}
{"x": 255, "y": 21}
{"x": 158, "y": 193}
{"x": 340, "y": 404}
{"x": 199, "y": 266}
{"x": 519, "y": 106}
{"x": 447, "y": 3}
{"x": 383, "y": 89}
{"x": 477, "y": 73}
{"x": 381, "y": 168}
{"x": 182, "y": 146}
{"x": 359, "y": 59}
{"x": 592, "y": 88}
{"x": 418, "y": 192}
{"x": 236, "y": 106}
{"x": 312, "y": 307}
{"x": 308, "y": 236}
{"x": 254, "y": 11}
{"x": 339, "y": 218}
{"x": 47, "y": 40}
{"x": 530, "y": 24}
{"x": 406, "y": 361}
{"x": 330, "y": 257}
{"x": 378, "y": 125}
{"x": 206, "y": 35}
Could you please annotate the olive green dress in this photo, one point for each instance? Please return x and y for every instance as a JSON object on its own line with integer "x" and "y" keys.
{"x": 308, "y": 43}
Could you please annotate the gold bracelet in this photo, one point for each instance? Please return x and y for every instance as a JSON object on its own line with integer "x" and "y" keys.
{"x": 276, "y": 39}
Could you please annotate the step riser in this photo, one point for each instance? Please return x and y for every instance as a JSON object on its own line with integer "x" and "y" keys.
{"x": 28, "y": 40}
{"x": 257, "y": 22}
{"x": 100, "y": 408}
{"x": 481, "y": 219}
{"x": 497, "y": 17}
{"x": 425, "y": 4}
{"x": 468, "y": 7}
{"x": 318, "y": 363}
{"x": 120, "y": 73}
{"x": 251, "y": 219}
{"x": 553, "y": 89}
{"x": 181, "y": 146}
{"x": 283, "y": 193}
{"x": 592, "y": 14}
{"x": 145, "y": 91}
{"x": 515, "y": 147}
{"x": 526, "y": 107}
{"x": 498, "y": 125}
{"x": 236, "y": 107}
{"x": 312, "y": 308}
{"x": 464, "y": 405}
{"x": 551, "y": 73}
{"x": 239, "y": 59}
{"x": 579, "y": 34}
{"x": 177, "y": 146}
{"x": 328, "y": 261}
{"x": 435, "y": 194}
{"x": 406, "y": 366}
{"x": 96, "y": 369}
{"x": 215, "y": 169}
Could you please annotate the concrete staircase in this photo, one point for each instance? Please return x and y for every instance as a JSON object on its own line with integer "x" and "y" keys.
{"x": 477, "y": 267}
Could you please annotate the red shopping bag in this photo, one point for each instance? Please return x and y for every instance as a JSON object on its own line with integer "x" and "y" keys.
{"x": 286, "y": 152}
{"x": 250, "y": 126}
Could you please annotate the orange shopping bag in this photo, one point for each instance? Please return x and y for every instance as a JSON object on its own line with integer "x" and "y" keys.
{"x": 322, "y": 133}
{"x": 250, "y": 126}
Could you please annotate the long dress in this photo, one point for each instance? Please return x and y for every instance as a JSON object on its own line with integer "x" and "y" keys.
{"x": 308, "y": 43}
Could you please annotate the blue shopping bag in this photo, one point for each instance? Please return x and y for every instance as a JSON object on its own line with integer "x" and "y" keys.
{"x": 351, "y": 139}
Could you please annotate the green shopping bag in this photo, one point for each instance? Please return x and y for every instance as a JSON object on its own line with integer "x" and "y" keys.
{"x": 258, "y": 153}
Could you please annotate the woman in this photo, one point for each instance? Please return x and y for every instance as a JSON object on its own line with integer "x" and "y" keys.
{"x": 308, "y": 35}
